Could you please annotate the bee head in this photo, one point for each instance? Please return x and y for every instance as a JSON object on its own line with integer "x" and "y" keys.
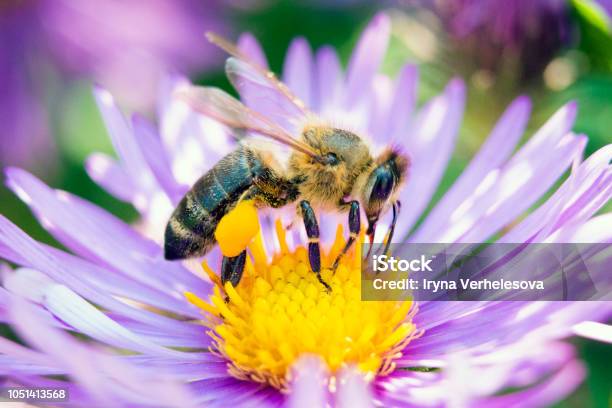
{"x": 381, "y": 185}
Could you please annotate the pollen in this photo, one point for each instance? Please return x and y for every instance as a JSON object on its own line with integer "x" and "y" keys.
{"x": 279, "y": 312}
{"x": 237, "y": 228}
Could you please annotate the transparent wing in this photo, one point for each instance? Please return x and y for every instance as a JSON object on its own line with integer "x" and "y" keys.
{"x": 226, "y": 109}
{"x": 260, "y": 87}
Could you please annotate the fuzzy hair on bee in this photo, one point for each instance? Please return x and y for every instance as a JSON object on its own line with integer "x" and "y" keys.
{"x": 327, "y": 184}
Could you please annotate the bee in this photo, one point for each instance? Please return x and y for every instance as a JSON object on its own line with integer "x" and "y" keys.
{"x": 327, "y": 167}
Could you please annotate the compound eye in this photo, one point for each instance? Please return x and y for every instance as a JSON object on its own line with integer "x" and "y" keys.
{"x": 331, "y": 159}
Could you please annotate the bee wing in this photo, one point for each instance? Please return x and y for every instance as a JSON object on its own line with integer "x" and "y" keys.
{"x": 226, "y": 109}
{"x": 260, "y": 87}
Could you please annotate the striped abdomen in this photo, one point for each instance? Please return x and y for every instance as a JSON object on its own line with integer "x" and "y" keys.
{"x": 190, "y": 230}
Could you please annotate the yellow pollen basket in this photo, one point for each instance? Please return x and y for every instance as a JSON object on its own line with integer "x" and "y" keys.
{"x": 237, "y": 228}
{"x": 279, "y": 312}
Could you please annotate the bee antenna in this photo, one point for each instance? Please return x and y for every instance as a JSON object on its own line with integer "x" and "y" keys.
{"x": 212, "y": 37}
{"x": 226, "y": 45}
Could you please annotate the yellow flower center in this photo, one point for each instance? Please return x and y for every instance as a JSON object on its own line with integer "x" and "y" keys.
{"x": 279, "y": 312}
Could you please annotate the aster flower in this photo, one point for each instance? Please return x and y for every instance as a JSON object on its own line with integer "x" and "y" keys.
{"x": 157, "y": 333}
{"x": 125, "y": 46}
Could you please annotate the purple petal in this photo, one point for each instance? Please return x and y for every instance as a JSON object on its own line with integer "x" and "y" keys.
{"x": 492, "y": 155}
{"x": 99, "y": 236}
{"x": 248, "y": 44}
{"x": 106, "y": 280}
{"x": 329, "y": 79}
{"x": 105, "y": 171}
{"x": 192, "y": 335}
{"x": 264, "y": 397}
{"x": 38, "y": 258}
{"x": 531, "y": 157}
{"x": 594, "y": 331}
{"x": 112, "y": 377}
{"x": 308, "y": 387}
{"x": 366, "y": 58}
{"x": 88, "y": 320}
{"x": 28, "y": 283}
{"x": 11, "y": 366}
{"x": 223, "y": 392}
{"x": 298, "y": 70}
{"x": 4, "y": 294}
{"x": 430, "y": 148}
{"x": 55, "y": 344}
{"x": 24, "y": 354}
{"x": 381, "y": 99}
{"x": 520, "y": 368}
{"x": 402, "y": 107}
{"x": 518, "y": 186}
{"x": 597, "y": 229}
{"x": 123, "y": 140}
{"x": 156, "y": 157}
{"x": 353, "y": 390}
{"x": 586, "y": 190}
{"x": 195, "y": 143}
{"x": 405, "y": 388}
{"x": 189, "y": 358}
{"x": 208, "y": 367}
{"x": 521, "y": 324}
{"x": 59, "y": 211}
{"x": 7, "y": 295}
{"x": 550, "y": 133}
{"x": 168, "y": 84}
{"x": 549, "y": 391}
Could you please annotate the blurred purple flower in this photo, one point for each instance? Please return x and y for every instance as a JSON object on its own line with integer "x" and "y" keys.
{"x": 477, "y": 351}
{"x": 126, "y": 46}
{"x": 492, "y": 32}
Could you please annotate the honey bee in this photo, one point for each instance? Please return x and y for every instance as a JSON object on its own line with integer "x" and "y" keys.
{"x": 326, "y": 167}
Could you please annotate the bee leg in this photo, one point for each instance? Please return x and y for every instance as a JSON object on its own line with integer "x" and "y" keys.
{"x": 396, "y": 209}
{"x": 312, "y": 231}
{"x": 354, "y": 222}
{"x": 370, "y": 232}
{"x": 232, "y": 268}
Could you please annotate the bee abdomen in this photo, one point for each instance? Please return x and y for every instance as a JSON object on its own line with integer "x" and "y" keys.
{"x": 190, "y": 230}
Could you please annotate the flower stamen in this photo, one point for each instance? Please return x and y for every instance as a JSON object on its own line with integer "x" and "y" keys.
{"x": 280, "y": 311}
